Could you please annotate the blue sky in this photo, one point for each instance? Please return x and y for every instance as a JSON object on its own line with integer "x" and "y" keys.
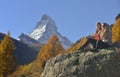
{"x": 74, "y": 18}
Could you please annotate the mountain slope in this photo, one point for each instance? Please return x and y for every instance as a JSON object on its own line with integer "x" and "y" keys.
{"x": 52, "y": 48}
{"x": 45, "y": 28}
{"x": 24, "y": 53}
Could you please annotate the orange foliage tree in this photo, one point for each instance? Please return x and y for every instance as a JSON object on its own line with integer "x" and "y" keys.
{"x": 116, "y": 31}
{"x": 49, "y": 50}
{"x": 7, "y": 60}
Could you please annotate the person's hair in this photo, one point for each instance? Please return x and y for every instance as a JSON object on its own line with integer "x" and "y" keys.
{"x": 98, "y": 23}
{"x": 97, "y": 30}
{"x": 107, "y": 27}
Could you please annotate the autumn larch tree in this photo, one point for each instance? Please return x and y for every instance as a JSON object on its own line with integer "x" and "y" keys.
{"x": 7, "y": 59}
{"x": 116, "y": 31}
{"x": 49, "y": 50}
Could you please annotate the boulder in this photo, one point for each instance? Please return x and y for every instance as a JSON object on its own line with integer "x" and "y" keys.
{"x": 104, "y": 63}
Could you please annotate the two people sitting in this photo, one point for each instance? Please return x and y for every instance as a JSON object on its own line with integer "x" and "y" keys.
{"x": 101, "y": 39}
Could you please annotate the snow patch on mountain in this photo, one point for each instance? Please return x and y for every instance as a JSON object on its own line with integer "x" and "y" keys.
{"x": 37, "y": 33}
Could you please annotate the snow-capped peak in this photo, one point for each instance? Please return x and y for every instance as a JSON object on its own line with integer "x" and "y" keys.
{"x": 45, "y": 29}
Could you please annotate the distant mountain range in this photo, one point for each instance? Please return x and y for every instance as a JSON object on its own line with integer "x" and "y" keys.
{"x": 45, "y": 28}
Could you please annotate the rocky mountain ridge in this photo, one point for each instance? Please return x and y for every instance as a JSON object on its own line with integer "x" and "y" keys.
{"x": 26, "y": 39}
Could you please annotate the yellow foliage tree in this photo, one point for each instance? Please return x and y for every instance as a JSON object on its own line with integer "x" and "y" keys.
{"x": 49, "y": 50}
{"x": 7, "y": 60}
{"x": 116, "y": 31}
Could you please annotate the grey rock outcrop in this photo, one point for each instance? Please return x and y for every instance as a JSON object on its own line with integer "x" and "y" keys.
{"x": 104, "y": 63}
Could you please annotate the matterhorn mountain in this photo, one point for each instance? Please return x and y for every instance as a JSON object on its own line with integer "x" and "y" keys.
{"x": 43, "y": 31}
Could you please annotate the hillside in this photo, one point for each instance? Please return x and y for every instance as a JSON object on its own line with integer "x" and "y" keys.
{"x": 49, "y": 50}
{"x": 80, "y": 63}
{"x": 54, "y": 61}
{"x": 24, "y": 53}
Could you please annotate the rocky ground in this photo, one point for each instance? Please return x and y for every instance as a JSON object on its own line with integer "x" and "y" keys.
{"x": 102, "y": 63}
